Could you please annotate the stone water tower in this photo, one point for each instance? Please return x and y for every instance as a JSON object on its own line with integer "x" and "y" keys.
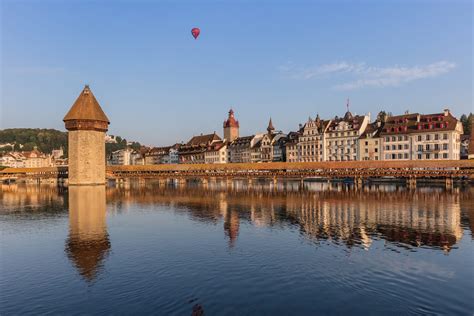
{"x": 86, "y": 124}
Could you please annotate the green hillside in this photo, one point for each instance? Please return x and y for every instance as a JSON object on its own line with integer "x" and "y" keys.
{"x": 46, "y": 140}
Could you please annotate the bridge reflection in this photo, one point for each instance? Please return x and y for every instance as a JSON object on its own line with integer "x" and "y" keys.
{"x": 431, "y": 217}
{"x": 426, "y": 218}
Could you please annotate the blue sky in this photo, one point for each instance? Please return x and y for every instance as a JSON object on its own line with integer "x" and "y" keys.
{"x": 284, "y": 59}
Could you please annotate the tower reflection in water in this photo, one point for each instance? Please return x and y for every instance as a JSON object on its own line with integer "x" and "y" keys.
{"x": 88, "y": 243}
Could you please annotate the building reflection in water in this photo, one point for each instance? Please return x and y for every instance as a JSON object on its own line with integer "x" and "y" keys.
{"x": 88, "y": 243}
{"x": 338, "y": 214}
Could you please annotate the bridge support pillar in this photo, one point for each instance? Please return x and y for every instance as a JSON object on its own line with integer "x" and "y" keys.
{"x": 301, "y": 184}
{"x": 449, "y": 183}
{"x": 358, "y": 182}
{"x": 411, "y": 183}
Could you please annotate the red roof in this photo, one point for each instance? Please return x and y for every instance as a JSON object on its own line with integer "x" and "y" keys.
{"x": 231, "y": 121}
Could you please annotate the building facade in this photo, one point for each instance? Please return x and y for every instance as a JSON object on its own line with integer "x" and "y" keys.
{"x": 311, "y": 141}
{"x": 422, "y": 137}
{"x": 216, "y": 153}
{"x": 239, "y": 149}
{"x": 342, "y": 135}
{"x": 195, "y": 149}
{"x": 370, "y": 143}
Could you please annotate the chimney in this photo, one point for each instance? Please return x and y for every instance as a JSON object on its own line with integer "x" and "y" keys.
{"x": 446, "y": 112}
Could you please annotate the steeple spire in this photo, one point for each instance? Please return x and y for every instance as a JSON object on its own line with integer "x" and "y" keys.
{"x": 270, "y": 127}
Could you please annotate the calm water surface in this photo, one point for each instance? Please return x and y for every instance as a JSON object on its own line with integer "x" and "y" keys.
{"x": 235, "y": 250}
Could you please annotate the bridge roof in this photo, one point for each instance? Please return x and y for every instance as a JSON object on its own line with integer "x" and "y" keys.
{"x": 86, "y": 107}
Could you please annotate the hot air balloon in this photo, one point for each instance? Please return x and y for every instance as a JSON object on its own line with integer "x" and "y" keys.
{"x": 195, "y": 31}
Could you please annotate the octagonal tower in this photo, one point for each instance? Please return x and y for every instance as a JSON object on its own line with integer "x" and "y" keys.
{"x": 86, "y": 124}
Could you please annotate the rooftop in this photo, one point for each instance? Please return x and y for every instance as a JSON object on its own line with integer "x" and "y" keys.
{"x": 86, "y": 107}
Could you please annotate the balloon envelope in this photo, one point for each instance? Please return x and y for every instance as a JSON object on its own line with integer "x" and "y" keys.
{"x": 195, "y": 31}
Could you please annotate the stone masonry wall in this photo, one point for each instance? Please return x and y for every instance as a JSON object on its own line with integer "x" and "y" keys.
{"x": 86, "y": 157}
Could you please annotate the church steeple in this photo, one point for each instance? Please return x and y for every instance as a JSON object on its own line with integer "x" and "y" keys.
{"x": 270, "y": 127}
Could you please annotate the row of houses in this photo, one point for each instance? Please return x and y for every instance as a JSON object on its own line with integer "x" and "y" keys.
{"x": 411, "y": 136}
{"x": 33, "y": 159}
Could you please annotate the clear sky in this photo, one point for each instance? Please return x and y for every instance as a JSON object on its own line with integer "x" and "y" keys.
{"x": 284, "y": 59}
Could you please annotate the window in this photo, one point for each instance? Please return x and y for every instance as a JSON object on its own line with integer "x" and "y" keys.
{"x": 394, "y": 156}
{"x": 406, "y": 156}
{"x": 419, "y": 156}
{"x": 376, "y": 158}
{"x": 376, "y": 149}
{"x": 445, "y": 156}
{"x": 428, "y": 137}
{"x": 427, "y": 146}
{"x": 445, "y": 136}
{"x": 406, "y": 137}
{"x": 394, "y": 138}
{"x": 387, "y": 139}
{"x": 445, "y": 146}
{"x": 405, "y": 146}
{"x": 387, "y": 147}
{"x": 419, "y": 138}
{"x": 420, "y": 147}
{"x": 436, "y": 146}
{"x": 427, "y": 156}
{"x": 400, "y": 138}
{"x": 400, "y": 156}
{"x": 394, "y": 147}
{"x": 366, "y": 151}
{"x": 366, "y": 143}
{"x": 436, "y": 156}
{"x": 376, "y": 142}
{"x": 400, "y": 147}
{"x": 436, "y": 136}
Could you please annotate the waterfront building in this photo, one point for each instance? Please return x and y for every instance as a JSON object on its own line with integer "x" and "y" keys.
{"x": 311, "y": 141}
{"x": 239, "y": 149}
{"x": 231, "y": 127}
{"x": 270, "y": 145}
{"x": 422, "y": 137}
{"x": 36, "y": 159}
{"x": 370, "y": 143}
{"x": 465, "y": 146}
{"x": 162, "y": 155}
{"x": 341, "y": 137}
{"x": 470, "y": 152}
{"x": 86, "y": 124}
{"x": 12, "y": 160}
{"x": 57, "y": 153}
{"x": 291, "y": 149}
{"x": 121, "y": 157}
{"x": 216, "y": 153}
{"x": 195, "y": 148}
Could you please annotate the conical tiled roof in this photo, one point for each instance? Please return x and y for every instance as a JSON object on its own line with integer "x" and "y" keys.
{"x": 87, "y": 108}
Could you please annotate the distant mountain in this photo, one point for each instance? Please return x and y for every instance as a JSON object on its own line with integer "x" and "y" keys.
{"x": 25, "y": 139}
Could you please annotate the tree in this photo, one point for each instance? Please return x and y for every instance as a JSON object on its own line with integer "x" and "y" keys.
{"x": 466, "y": 121}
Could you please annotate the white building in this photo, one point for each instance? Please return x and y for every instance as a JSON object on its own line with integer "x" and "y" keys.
{"x": 216, "y": 153}
{"x": 342, "y": 135}
{"x": 422, "y": 137}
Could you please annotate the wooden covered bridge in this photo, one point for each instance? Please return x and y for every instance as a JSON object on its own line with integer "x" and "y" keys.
{"x": 357, "y": 170}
